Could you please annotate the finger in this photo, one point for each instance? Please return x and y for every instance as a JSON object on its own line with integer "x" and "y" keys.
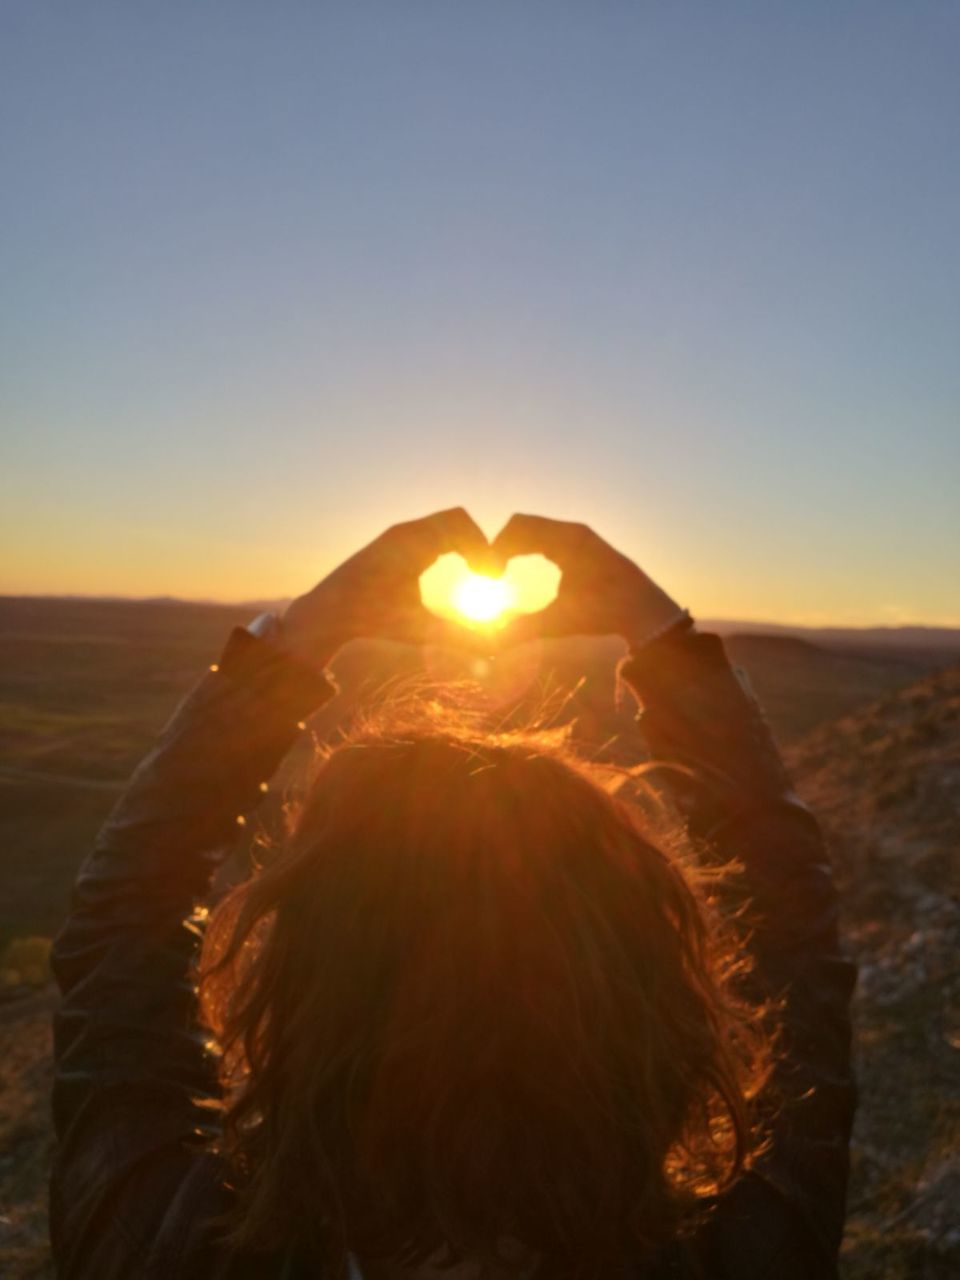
{"x": 442, "y": 532}
{"x": 420, "y": 626}
{"x": 450, "y": 634}
{"x": 551, "y": 622}
{"x": 458, "y": 531}
{"x": 558, "y": 540}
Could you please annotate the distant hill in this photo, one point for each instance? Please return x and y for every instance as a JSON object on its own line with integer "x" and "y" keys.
{"x": 940, "y": 645}
{"x": 801, "y": 684}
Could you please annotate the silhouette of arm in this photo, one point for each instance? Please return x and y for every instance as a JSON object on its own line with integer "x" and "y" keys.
{"x": 786, "y": 1218}
{"x": 135, "y": 1091}
{"x": 134, "y": 1087}
{"x": 738, "y": 804}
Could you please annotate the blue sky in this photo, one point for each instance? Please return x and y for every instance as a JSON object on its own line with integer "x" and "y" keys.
{"x": 275, "y": 275}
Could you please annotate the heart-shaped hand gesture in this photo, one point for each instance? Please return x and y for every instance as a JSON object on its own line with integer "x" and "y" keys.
{"x": 376, "y": 593}
{"x": 601, "y": 591}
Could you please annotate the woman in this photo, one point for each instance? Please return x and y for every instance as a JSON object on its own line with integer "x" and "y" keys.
{"x": 472, "y": 1019}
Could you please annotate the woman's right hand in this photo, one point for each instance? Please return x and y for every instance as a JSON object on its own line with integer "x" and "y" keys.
{"x": 601, "y": 592}
{"x": 376, "y": 593}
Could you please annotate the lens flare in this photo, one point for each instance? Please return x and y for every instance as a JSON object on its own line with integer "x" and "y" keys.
{"x": 482, "y": 599}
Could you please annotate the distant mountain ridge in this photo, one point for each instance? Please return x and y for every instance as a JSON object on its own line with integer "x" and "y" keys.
{"x": 901, "y": 637}
{"x": 907, "y": 637}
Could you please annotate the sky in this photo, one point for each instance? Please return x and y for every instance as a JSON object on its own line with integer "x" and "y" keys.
{"x": 276, "y": 275}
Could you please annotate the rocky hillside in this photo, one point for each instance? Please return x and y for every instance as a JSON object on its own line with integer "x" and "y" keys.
{"x": 25, "y": 1138}
{"x": 886, "y": 781}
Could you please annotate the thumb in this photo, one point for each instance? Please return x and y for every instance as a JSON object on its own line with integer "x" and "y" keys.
{"x": 448, "y": 634}
{"x": 543, "y": 624}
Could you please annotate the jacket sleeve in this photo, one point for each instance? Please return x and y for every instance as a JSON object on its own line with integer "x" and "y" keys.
{"x": 732, "y": 789}
{"x": 134, "y": 1086}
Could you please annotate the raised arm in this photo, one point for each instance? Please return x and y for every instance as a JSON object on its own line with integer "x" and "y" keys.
{"x": 735, "y": 794}
{"x": 733, "y": 791}
{"x": 134, "y": 1086}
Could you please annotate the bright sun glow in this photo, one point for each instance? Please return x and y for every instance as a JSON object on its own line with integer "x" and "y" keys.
{"x": 451, "y": 590}
{"x": 482, "y": 599}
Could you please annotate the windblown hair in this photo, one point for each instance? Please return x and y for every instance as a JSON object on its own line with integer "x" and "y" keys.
{"x": 468, "y": 1001}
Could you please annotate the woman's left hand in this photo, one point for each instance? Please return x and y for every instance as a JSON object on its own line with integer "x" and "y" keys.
{"x": 376, "y": 593}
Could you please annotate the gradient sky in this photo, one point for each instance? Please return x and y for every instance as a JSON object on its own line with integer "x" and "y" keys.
{"x": 275, "y": 275}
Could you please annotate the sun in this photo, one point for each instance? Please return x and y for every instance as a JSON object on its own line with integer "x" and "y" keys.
{"x": 452, "y": 590}
{"x": 481, "y": 599}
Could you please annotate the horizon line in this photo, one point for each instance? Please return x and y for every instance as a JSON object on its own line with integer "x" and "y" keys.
{"x": 276, "y": 602}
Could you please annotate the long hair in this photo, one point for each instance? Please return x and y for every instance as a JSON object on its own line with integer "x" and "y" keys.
{"x": 469, "y": 1001}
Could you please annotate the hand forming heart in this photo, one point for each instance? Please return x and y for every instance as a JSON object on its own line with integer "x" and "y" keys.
{"x": 601, "y": 591}
{"x": 376, "y": 592}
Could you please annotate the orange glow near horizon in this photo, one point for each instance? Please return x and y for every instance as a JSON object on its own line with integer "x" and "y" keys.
{"x": 255, "y": 569}
{"x": 450, "y": 588}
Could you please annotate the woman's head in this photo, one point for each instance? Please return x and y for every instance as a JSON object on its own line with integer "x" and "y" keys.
{"x": 470, "y": 1001}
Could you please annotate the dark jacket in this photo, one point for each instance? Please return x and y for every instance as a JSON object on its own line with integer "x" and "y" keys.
{"x": 134, "y": 1187}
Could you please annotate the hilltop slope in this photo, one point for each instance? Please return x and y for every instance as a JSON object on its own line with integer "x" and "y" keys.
{"x": 886, "y": 783}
